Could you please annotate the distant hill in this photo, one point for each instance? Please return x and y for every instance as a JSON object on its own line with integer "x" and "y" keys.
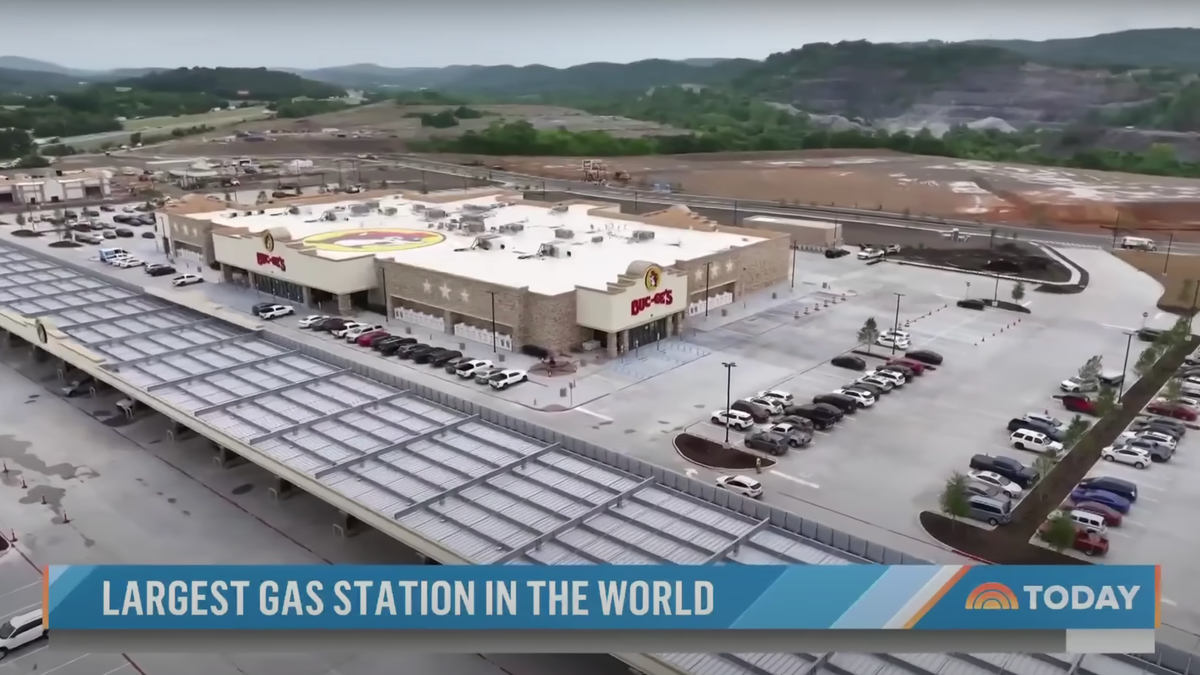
{"x": 22, "y": 63}
{"x": 1146, "y": 48}
{"x": 35, "y": 82}
{"x": 536, "y": 79}
{"x": 234, "y": 83}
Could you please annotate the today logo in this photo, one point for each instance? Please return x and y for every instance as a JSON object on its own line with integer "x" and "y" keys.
{"x": 994, "y": 595}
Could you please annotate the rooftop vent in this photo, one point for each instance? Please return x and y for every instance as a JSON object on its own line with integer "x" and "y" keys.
{"x": 473, "y": 225}
{"x": 294, "y": 210}
{"x": 261, "y": 211}
{"x": 598, "y": 239}
{"x": 553, "y": 251}
{"x": 419, "y": 207}
{"x": 436, "y": 213}
{"x": 564, "y": 233}
{"x": 233, "y": 215}
{"x": 512, "y": 227}
{"x": 329, "y": 216}
{"x": 389, "y": 211}
{"x": 249, "y": 213}
{"x": 488, "y": 242}
{"x": 559, "y": 208}
{"x": 360, "y": 209}
{"x": 372, "y": 204}
{"x": 641, "y": 235}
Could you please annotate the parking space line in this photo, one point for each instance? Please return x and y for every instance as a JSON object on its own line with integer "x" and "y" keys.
{"x": 1120, "y": 534}
{"x": 1147, "y": 499}
{"x": 11, "y": 661}
{"x": 119, "y": 668}
{"x": 801, "y": 481}
{"x": 8, "y": 593}
{"x": 77, "y": 658}
{"x": 1135, "y": 523}
{"x": 1168, "y": 601}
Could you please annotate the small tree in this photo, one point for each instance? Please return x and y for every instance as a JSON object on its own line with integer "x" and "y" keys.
{"x": 1163, "y": 343}
{"x": 1173, "y": 390}
{"x": 1091, "y": 369}
{"x": 1145, "y": 361}
{"x": 1018, "y": 292}
{"x": 1106, "y": 402}
{"x": 953, "y": 500}
{"x": 21, "y": 219}
{"x": 1059, "y": 532}
{"x": 1181, "y": 331}
{"x": 1074, "y": 431}
{"x": 868, "y": 333}
{"x": 1043, "y": 465}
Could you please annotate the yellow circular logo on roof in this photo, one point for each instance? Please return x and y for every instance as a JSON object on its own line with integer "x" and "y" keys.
{"x": 653, "y": 277}
{"x": 268, "y": 242}
{"x": 382, "y": 240}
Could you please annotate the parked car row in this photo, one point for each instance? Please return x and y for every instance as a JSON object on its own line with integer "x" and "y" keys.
{"x": 376, "y": 337}
{"x": 788, "y": 424}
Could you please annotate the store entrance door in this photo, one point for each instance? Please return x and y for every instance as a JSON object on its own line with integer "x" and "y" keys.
{"x": 649, "y": 333}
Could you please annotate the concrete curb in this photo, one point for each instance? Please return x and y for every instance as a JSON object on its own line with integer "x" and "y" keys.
{"x": 1004, "y": 277}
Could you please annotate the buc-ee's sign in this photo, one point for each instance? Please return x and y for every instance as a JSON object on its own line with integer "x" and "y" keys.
{"x": 265, "y": 259}
{"x": 642, "y": 304}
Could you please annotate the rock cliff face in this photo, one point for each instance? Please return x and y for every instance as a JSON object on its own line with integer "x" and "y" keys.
{"x": 1020, "y": 94}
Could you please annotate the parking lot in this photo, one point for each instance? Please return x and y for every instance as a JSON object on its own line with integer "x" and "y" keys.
{"x": 21, "y": 592}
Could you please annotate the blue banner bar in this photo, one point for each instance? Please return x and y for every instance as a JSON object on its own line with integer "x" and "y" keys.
{"x": 601, "y": 597}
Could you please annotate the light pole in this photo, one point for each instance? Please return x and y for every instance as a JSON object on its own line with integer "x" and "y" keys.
{"x": 729, "y": 366}
{"x": 794, "y": 249}
{"x": 996, "y": 294}
{"x": 1167, "y": 260}
{"x": 707, "y": 278}
{"x": 493, "y": 294}
{"x": 1125, "y": 366}
{"x": 896, "y": 324}
{"x": 967, "y": 293}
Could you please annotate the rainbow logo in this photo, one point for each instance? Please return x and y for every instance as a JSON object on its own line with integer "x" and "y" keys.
{"x": 992, "y": 595}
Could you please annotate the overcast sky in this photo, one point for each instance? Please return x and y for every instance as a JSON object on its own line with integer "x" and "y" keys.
{"x": 311, "y": 34}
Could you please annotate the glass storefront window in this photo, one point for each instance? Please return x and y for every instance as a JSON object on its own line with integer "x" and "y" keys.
{"x": 284, "y": 290}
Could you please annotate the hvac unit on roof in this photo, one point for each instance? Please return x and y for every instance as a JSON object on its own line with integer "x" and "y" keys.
{"x": 233, "y": 215}
{"x": 552, "y": 251}
{"x": 360, "y": 209}
{"x": 474, "y": 225}
{"x": 330, "y": 216}
{"x": 512, "y": 227}
{"x": 641, "y": 235}
{"x": 488, "y": 242}
{"x": 436, "y": 213}
{"x": 261, "y": 211}
{"x": 294, "y": 210}
{"x": 249, "y": 213}
{"x": 559, "y": 208}
{"x": 390, "y": 211}
{"x": 371, "y": 204}
{"x": 419, "y": 207}
{"x": 564, "y": 233}
{"x": 598, "y": 239}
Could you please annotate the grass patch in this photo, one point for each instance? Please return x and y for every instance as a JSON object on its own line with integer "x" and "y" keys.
{"x": 209, "y": 118}
{"x": 1179, "y": 276}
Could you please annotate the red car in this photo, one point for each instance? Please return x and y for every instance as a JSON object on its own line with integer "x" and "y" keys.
{"x": 366, "y": 339}
{"x": 916, "y": 366}
{"x": 1176, "y": 410}
{"x": 1111, "y": 516}
{"x": 1088, "y": 543}
{"x": 1079, "y": 404}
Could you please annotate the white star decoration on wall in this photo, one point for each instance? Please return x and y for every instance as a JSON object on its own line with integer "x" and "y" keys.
{"x": 729, "y": 266}
{"x": 428, "y": 286}
{"x": 699, "y": 274}
{"x": 466, "y": 297}
{"x": 445, "y": 291}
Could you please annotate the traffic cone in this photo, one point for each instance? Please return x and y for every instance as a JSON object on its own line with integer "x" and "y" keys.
{"x": 43, "y": 499}
{"x": 5, "y": 470}
{"x": 65, "y": 518}
{"x": 23, "y": 485}
{"x": 13, "y": 537}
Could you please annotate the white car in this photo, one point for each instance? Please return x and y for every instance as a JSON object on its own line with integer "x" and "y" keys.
{"x": 356, "y": 332}
{"x": 863, "y": 399}
{"x": 275, "y": 311}
{"x": 997, "y": 481}
{"x": 1078, "y": 384}
{"x": 186, "y": 280}
{"x": 1135, "y": 457}
{"x": 786, "y": 428}
{"x": 773, "y": 406}
{"x": 743, "y": 485}
{"x": 1047, "y": 419}
{"x": 507, "y": 378}
{"x": 893, "y": 341}
{"x": 1034, "y": 441}
{"x": 311, "y": 319}
{"x": 20, "y": 631}
{"x": 734, "y": 419}
{"x": 469, "y": 369}
{"x": 897, "y": 379}
{"x": 870, "y": 254}
{"x": 346, "y": 328}
{"x": 126, "y": 263}
{"x": 892, "y": 248}
{"x": 129, "y": 209}
{"x": 898, "y": 334}
{"x": 884, "y": 384}
{"x": 784, "y": 398}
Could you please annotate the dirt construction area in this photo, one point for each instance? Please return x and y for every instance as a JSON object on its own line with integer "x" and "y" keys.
{"x": 898, "y": 183}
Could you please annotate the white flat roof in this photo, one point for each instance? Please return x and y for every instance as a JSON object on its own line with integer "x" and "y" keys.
{"x": 439, "y": 245}
{"x": 792, "y": 222}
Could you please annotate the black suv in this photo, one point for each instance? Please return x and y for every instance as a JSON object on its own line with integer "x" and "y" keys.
{"x": 413, "y": 351}
{"x": 821, "y": 417}
{"x": 844, "y": 403}
{"x": 767, "y": 441}
{"x": 393, "y": 341}
{"x": 759, "y": 413}
{"x": 1033, "y": 425}
{"x": 1007, "y": 467}
{"x": 971, "y": 303}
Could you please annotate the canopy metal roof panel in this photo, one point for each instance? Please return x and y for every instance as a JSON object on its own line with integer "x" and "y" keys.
{"x": 836, "y": 663}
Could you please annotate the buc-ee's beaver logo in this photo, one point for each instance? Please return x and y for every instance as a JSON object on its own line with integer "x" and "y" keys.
{"x": 382, "y": 240}
{"x": 653, "y": 278}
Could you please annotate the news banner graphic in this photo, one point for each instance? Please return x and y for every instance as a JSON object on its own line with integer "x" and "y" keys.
{"x": 603, "y": 608}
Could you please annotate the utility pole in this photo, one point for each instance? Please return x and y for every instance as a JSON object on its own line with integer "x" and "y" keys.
{"x": 707, "y": 277}
{"x": 1125, "y": 367}
{"x": 896, "y": 324}
{"x": 794, "y": 249}
{"x": 493, "y": 294}
{"x": 729, "y": 366}
{"x": 1167, "y": 261}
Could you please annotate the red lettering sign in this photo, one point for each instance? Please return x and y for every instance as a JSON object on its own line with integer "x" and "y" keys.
{"x": 267, "y": 259}
{"x": 642, "y": 304}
